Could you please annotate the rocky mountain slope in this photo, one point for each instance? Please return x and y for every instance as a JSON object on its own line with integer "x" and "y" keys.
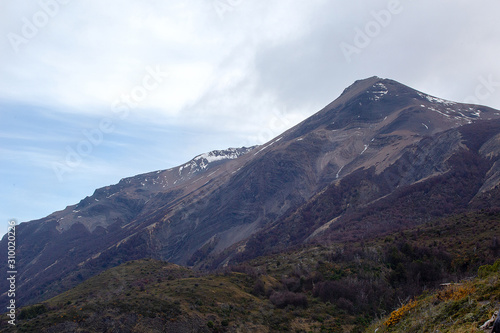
{"x": 447, "y": 173}
{"x": 380, "y": 157}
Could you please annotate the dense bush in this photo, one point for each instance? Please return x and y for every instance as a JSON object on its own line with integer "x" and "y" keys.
{"x": 32, "y": 311}
{"x": 281, "y": 299}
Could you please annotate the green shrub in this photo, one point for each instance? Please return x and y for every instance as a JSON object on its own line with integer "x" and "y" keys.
{"x": 486, "y": 270}
{"x": 32, "y": 311}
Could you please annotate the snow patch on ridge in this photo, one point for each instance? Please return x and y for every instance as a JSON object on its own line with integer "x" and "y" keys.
{"x": 381, "y": 91}
{"x": 269, "y": 145}
{"x": 202, "y": 161}
{"x": 433, "y": 99}
{"x": 450, "y": 109}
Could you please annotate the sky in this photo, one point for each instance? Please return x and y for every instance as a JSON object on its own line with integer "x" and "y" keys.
{"x": 95, "y": 91}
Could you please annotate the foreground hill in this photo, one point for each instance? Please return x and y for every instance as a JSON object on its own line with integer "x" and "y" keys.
{"x": 380, "y": 158}
{"x": 459, "y": 308}
{"x": 334, "y": 288}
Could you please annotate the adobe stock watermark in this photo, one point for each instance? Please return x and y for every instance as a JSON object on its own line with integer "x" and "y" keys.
{"x": 276, "y": 125}
{"x": 75, "y": 154}
{"x": 372, "y": 29}
{"x": 484, "y": 90}
{"x": 224, "y": 6}
{"x": 11, "y": 271}
{"x": 31, "y": 26}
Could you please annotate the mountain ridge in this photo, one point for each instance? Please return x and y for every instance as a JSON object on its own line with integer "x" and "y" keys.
{"x": 155, "y": 182}
{"x": 377, "y": 140}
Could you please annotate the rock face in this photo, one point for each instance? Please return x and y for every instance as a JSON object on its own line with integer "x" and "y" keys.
{"x": 380, "y": 157}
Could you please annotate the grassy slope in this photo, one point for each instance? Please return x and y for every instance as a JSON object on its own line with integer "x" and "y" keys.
{"x": 153, "y": 296}
{"x": 460, "y": 308}
{"x": 144, "y": 295}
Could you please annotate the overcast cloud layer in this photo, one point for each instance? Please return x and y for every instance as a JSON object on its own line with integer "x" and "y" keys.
{"x": 93, "y": 91}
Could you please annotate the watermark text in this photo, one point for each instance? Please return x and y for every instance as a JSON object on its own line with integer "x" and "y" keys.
{"x": 372, "y": 29}
{"x": 75, "y": 154}
{"x": 32, "y": 26}
{"x": 11, "y": 271}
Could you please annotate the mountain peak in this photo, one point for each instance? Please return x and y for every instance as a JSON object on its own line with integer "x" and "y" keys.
{"x": 378, "y": 136}
{"x": 360, "y": 85}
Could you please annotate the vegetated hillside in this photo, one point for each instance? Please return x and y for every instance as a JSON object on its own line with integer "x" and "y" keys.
{"x": 334, "y": 288}
{"x": 381, "y": 157}
{"x": 459, "y": 308}
{"x": 153, "y": 296}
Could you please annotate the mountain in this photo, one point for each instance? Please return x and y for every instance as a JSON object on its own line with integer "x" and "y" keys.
{"x": 381, "y": 157}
